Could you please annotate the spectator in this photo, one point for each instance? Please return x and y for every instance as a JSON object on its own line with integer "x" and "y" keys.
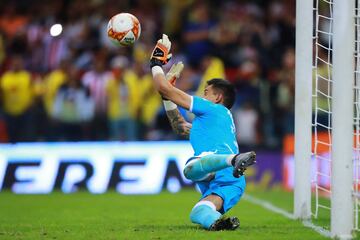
{"x": 11, "y": 23}
{"x": 17, "y": 92}
{"x": 96, "y": 81}
{"x": 52, "y": 82}
{"x": 51, "y": 85}
{"x": 286, "y": 91}
{"x": 55, "y": 50}
{"x": 212, "y": 68}
{"x": 151, "y": 104}
{"x": 123, "y": 102}
{"x": 196, "y": 33}
{"x": 73, "y": 108}
{"x": 246, "y": 121}
{"x": 247, "y": 83}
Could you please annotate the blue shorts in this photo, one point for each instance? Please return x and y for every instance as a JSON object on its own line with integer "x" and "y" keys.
{"x": 225, "y": 185}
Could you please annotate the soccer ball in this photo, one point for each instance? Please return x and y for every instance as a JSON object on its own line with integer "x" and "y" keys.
{"x": 124, "y": 29}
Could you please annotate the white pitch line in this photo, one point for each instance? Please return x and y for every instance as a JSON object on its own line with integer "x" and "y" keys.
{"x": 268, "y": 206}
{"x": 318, "y": 229}
{"x": 286, "y": 214}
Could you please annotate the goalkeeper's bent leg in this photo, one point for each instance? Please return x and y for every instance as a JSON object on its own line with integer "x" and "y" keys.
{"x": 205, "y": 214}
{"x": 199, "y": 169}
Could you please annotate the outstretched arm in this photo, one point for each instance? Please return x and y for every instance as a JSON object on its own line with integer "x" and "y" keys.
{"x": 160, "y": 56}
{"x": 169, "y": 91}
{"x": 177, "y": 121}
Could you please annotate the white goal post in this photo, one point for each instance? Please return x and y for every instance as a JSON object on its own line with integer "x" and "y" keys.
{"x": 342, "y": 206}
{"x": 303, "y": 98}
{"x": 340, "y": 97}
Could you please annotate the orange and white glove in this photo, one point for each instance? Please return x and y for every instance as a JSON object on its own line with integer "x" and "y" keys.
{"x": 161, "y": 53}
{"x": 172, "y": 75}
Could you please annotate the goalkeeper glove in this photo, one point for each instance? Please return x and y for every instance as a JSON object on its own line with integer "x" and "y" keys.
{"x": 160, "y": 55}
{"x": 174, "y": 73}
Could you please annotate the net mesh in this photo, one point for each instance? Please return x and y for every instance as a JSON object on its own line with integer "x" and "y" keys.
{"x": 322, "y": 81}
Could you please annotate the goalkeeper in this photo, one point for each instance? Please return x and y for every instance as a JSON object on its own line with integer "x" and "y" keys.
{"x": 217, "y": 167}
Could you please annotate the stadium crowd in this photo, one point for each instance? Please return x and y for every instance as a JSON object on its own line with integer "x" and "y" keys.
{"x": 79, "y": 86}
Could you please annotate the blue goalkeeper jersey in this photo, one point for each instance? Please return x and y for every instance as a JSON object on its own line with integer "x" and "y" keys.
{"x": 213, "y": 128}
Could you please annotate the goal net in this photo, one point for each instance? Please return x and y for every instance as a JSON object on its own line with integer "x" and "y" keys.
{"x": 323, "y": 111}
{"x": 322, "y": 86}
{"x": 327, "y": 158}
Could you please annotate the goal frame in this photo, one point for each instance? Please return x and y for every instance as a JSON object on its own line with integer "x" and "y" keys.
{"x": 342, "y": 202}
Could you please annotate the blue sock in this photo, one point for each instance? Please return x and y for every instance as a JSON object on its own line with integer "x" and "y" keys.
{"x": 204, "y": 215}
{"x": 198, "y": 169}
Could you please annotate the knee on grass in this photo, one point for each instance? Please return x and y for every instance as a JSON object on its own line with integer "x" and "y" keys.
{"x": 205, "y": 214}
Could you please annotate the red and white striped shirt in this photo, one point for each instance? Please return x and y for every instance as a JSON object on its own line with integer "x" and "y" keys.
{"x": 97, "y": 82}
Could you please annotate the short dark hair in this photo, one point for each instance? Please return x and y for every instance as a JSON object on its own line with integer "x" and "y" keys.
{"x": 226, "y": 88}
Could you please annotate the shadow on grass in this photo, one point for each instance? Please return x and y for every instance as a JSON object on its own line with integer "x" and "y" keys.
{"x": 152, "y": 228}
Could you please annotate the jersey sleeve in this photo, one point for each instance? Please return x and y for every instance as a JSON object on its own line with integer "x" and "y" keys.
{"x": 200, "y": 106}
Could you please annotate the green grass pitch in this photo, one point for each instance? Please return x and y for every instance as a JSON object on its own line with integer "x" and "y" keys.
{"x": 114, "y": 216}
